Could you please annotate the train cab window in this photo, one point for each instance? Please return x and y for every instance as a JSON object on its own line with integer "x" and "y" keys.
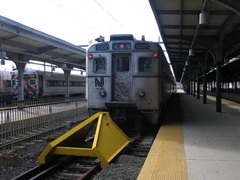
{"x": 99, "y": 65}
{"x": 122, "y": 64}
{"x": 145, "y": 64}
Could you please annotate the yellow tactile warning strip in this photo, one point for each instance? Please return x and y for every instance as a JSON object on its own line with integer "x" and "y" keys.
{"x": 224, "y": 100}
{"x": 166, "y": 159}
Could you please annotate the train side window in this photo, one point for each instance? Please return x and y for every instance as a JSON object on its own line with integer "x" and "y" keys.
{"x": 122, "y": 64}
{"x": 8, "y": 83}
{"x": 15, "y": 82}
{"x": 99, "y": 65}
{"x": 32, "y": 82}
{"x": 145, "y": 64}
{"x": 25, "y": 78}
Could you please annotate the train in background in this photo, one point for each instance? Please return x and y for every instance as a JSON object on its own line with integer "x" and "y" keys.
{"x": 129, "y": 78}
{"x": 5, "y": 86}
{"x": 39, "y": 84}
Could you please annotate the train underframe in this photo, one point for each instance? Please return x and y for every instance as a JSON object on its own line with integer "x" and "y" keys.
{"x": 131, "y": 116}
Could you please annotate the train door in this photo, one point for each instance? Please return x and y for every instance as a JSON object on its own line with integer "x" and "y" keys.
{"x": 121, "y": 77}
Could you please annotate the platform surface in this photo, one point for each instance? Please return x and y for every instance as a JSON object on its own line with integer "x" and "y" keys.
{"x": 195, "y": 142}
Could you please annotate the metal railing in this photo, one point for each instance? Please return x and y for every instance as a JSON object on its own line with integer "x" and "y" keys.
{"x": 23, "y": 122}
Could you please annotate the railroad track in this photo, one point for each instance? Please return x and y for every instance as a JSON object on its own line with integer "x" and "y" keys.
{"x": 63, "y": 169}
{"x": 142, "y": 142}
{"x": 86, "y": 167}
{"x": 142, "y": 146}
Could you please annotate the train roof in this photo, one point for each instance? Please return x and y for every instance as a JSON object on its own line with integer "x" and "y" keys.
{"x": 118, "y": 37}
{"x": 34, "y": 71}
{"x": 121, "y": 38}
{"x": 30, "y": 71}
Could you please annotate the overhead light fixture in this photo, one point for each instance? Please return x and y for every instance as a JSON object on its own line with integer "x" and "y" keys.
{"x": 191, "y": 52}
{"x": 204, "y": 18}
{"x": 186, "y": 63}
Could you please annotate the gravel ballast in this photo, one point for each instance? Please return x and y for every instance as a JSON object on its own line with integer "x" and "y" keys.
{"x": 125, "y": 167}
{"x": 27, "y": 160}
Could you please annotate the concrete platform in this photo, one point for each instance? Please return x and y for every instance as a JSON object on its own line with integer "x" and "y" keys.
{"x": 201, "y": 144}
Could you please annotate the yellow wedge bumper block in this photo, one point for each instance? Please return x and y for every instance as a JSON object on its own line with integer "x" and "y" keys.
{"x": 109, "y": 140}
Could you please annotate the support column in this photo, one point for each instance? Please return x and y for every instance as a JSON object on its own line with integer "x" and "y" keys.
{"x": 235, "y": 85}
{"x": 218, "y": 89}
{"x": 67, "y": 74}
{"x": 194, "y": 88}
{"x": 228, "y": 88}
{"x": 205, "y": 85}
{"x": 188, "y": 87}
{"x": 204, "y": 88}
{"x": 21, "y": 68}
{"x": 218, "y": 61}
{"x": 21, "y": 64}
{"x": 198, "y": 88}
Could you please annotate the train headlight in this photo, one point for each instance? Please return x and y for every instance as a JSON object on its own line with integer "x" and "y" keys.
{"x": 102, "y": 93}
{"x": 141, "y": 93}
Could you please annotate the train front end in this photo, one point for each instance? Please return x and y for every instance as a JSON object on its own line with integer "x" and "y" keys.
{"x": 123, "y": 78}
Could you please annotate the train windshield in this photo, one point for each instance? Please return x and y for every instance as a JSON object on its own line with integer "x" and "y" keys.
{"x": 99, "y": 65}
{"x": 145, "y": 64}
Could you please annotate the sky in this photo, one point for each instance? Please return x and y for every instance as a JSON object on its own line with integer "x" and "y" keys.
{"x": 82, "y": 21}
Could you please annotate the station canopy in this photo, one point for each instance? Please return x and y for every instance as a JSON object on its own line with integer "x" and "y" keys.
{"x": 21, "y": 43}
{"x": 196, "y": 31}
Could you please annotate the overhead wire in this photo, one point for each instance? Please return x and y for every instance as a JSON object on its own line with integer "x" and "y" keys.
{"x": 73, "y": 15}
{"x": 110, "y": 15}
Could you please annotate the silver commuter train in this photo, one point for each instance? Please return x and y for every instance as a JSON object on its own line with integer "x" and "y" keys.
{"x": 38, "y": 83}
{"x": 129, "y": 78}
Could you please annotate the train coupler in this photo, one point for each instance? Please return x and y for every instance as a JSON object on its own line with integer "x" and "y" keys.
{"x": 119, "y": 116}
